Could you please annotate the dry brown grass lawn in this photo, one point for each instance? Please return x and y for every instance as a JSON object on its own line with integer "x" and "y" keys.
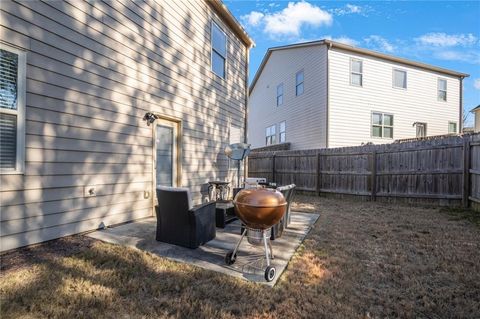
{"x": 361, "y": 260}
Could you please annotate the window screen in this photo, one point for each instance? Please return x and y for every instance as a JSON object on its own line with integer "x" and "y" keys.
{"x": 299, "y": 83}
{"x": 8, "y": 109}
{"x": 400, "y": 79}
{"x": 442, "y": 90}
{"x": 282, "y": 133}
{"x": 219, "y": 50}
{"x": 382, "y": 125}
{"x": 356, "y": 72}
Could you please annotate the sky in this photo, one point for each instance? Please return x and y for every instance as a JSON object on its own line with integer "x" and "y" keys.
{"x": 441, "y": 33}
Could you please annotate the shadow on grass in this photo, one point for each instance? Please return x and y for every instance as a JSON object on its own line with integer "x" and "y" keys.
{"x": 418, "y": 264}
{"x": 108, "y": 280}
{"x": 463, "y": 214}
{"x": 111, "y": 281}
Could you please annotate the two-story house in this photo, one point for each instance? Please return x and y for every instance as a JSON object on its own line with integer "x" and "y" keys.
{"x": 327, "y": 94}
{"x": 77, "y": 79}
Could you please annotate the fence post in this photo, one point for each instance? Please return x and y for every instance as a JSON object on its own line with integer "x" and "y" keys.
{"x": 273, "y": 168}
{"x": 317, "y": 179}
{"x": 466, "y": 171}
{"x": 373, "y": 176}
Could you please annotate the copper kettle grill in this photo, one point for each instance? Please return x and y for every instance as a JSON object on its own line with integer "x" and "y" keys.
{"x": 259, "y": 209}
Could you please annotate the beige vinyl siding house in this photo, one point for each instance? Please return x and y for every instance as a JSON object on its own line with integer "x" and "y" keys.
{"x": 304, "y": 115}
{"x": 351, "y": 96}
{"x": 92, "y": 71}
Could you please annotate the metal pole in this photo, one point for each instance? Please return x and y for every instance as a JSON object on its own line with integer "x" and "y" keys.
{"x": 238, "y": 173}
{"x": 271, "y": 248}
{"x": 239, "y": 242}
{"x": 264, "y": 232}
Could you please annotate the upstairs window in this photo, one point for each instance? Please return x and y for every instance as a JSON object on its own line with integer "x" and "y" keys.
{"x": 399, "y": 79}
{"x": 421, "y": 129}
{"x": 452, "y": 127}
{"x": 299, "y": 83}
{"x": 219, "y": 50}
{"x": 442, "y": 90}
{"x": 270, "y": 135}
{"x": 282, "y": 132}
{"x": 382, "y": 125}
{"x": 356, "y": 72}
{"x": 279, "y": 94}
{"x": 12, "y": 109}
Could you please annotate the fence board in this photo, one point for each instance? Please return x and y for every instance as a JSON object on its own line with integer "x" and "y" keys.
{"x": 475, "y": 172}
{"x": 443, "y": 168}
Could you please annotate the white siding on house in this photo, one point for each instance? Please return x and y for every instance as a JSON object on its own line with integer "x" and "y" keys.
{"x": 305, "y": 115}
{"x": 350, "y": 106}
{"x": 93, "y": 70}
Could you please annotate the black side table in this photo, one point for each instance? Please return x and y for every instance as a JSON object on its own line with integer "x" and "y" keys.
{"x": 224, "y": 213}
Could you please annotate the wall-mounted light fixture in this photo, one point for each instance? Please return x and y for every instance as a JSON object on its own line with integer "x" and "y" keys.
{"x": 150, "y": 117}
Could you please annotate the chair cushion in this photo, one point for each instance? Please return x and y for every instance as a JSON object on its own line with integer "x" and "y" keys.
{"x": 179, "y": 189}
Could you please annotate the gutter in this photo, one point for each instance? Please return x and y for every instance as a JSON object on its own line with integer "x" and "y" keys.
{"x": 460, "y": 122}
{"x": 333, "y": 44}
{"x": 327, "y": 124}
{"x": 395, "y": 59}
{"x": 233, "y": 23}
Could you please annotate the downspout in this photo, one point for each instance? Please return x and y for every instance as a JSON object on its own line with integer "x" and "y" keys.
{"x": 327, "y": 113}
{"x": 245, "y": 137}
{"x": 460, "y": 122}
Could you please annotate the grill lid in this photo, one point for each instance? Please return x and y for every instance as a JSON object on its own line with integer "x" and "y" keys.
{"x": 260, "y": 197}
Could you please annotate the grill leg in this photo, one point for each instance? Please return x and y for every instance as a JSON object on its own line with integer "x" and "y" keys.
{"x": 239, "y": 242}
{"x": 266, "y": 247}
{"x": 271, "y": 248}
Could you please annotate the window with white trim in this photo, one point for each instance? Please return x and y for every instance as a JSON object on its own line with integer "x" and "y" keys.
{"x": 442, "y": 90}
{"x": 356, "y": 72}
{"x": 452, "y": 127}
{"x": 399, "y": 79}
{"x": 282, "y": 137}
{"x": 421, "y": 129}
{"x": 280, "y": 94}
{"x": 12, "y": 109}
{"x": 382, "y": 125}
{"x": 219, "y": 50}
{"x": 270, "y": 135}
{"x": 299, "y": 83}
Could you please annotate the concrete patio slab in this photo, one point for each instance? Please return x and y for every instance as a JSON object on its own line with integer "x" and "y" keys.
{"x": 249, "y": 265}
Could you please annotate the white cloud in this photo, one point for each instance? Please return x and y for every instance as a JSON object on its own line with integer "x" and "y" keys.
{"x": 460, "y": 56}
{"x": 346, "y": 40}
{"x": 290, "y": 20}
{"x": 377, "y": 42}
{"x": 460, "y": 47}
{"x": 476, "y": 84}
{"x": 343, "y": 39}
{"x": 441, "y": 39}
{"x": 252, "y": 19}
{"x": 351, "y": 9}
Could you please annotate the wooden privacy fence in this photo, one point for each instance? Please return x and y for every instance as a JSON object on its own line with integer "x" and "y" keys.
{"x": 445, "y": 169}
